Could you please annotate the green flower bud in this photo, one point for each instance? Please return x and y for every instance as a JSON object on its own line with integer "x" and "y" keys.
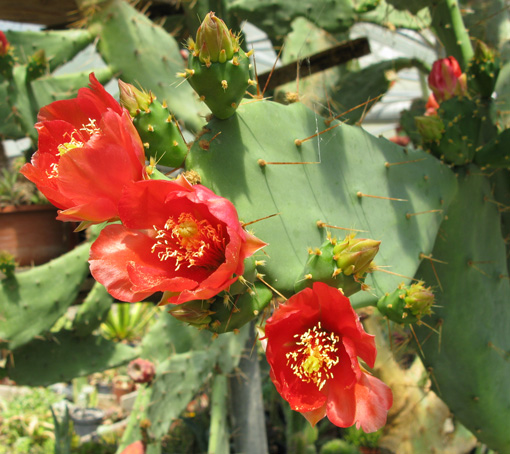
{"x": 354, "y": 256}
{"x": 431, "y": 128}
{"x": 134, "y": 100}
{"x": 407, "y": 305}
{"x": 215, "y": 42}
{"x": 195, "y": 312}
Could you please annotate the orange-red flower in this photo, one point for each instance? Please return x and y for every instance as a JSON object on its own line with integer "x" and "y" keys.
{"x": 447, "y": 80}
{"x": 88, "y": 151}
{"x": 4, "y": 44}
{"x": 314, "y": 340}
{"x": 176, "y": 238}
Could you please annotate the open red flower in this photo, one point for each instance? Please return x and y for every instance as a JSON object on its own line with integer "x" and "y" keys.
{"x": 313, "y": 343}
{"x": 4, "y": 44}
{"x": 88, "y": 151}
{"x": 176, "y": 238}
{"x": 446, "y": 79}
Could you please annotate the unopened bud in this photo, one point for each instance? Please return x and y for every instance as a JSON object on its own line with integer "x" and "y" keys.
{"x": 354, "y": 256}
{"x": 215, "y": 41}
{"x": 195, "y": 312}
{"x": 446, "y": 79}
{"x": 430, "y": 127}
{"x": 132, "y": 99}
{"x": 407, "y": 304}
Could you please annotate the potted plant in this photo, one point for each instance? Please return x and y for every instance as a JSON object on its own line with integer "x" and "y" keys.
{"x": 28, "y": 226}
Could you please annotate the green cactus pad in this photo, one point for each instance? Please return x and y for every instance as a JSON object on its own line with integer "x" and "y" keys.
{"x": 221, "y": 85}
{"x": 93, "y": 311}
{"x": 59, "y": 46}
{"x": 146, "y": 56}
{"x": 64, "y": 356}
{"x": 48, "y": 89}
{"x": 469, "y": 362}
{"x": 345, "y": 166}
{"x": 275, "y": 17}
{"x": 33, "y": 300}
{"x": 161, "y": 135}
{"x": 460, "y": 137}
{"x": 180, "y": 377}
{"x": 496, "y": 153}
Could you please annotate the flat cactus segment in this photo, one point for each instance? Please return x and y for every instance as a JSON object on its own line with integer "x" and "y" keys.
{"x": 33, "y": 300}
{"x": 64, "y": 356}
{"x": 10, "y": 127}
{"x": 93, "y": 311}
{"x": 386, "y": 15}
{"x": 344, "y": 170}
{"x": 181, "y": 376}
{"x": 132, "y": 432}
{"x": 177, "y": 380}
{"x": 275, "y": 17}
{"x": 469, "y": 361}
{"x": 146, "y": 56}
{"x": 496, "y": 153}
{"x": 59, "y": 46}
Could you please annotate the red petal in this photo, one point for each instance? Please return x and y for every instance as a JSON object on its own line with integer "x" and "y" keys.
{"x": 134, "y": 448}
{"x": 110, "y": 255}
{"x": 314, "y": 416}
{"x": 373, "y": 400}
{"x": 341, "y": 406}
{"x": 339, "y": 317}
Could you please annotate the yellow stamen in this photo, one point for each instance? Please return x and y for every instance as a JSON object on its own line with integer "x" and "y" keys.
{"x": 315, "y": 356}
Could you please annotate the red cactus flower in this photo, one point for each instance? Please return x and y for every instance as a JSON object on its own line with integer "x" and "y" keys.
{"x": 180, "y": 239}
{"x": 4, "y": 44}
{"x": 141, "y": 370}
{"x": 134, "y": 448}
{"x": 447, "y": 80}
{"x": 431, "y": 106}
{"x": 88, "y": 151}
{"x": 313, "y": 343}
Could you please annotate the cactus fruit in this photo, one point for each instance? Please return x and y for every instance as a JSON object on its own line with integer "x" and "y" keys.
{"x": 407, "y": 304}
{"x": 141, "y": 370}
{"x": 341, "y": 264}
{"x": 218, "y": 69}
{"x": 158, "y": 130}
{"x": 483, "y": 70}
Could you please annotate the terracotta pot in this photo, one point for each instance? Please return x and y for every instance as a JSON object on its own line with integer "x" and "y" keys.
{"x": 33, "y": 235}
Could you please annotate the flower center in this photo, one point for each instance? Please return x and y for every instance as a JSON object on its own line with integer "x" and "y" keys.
{"x": 90, "y": 128}
{"x": 191, "y": 242}
{"x": 315, "y": 356}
